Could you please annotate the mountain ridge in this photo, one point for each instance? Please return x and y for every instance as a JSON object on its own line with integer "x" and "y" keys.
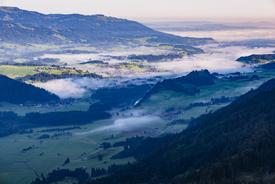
{"x": 77, "y": 28}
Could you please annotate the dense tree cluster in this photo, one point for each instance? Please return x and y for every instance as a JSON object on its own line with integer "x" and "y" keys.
{"x": 59, "y": 129}
{"x": 81, "y": 174}
{"x": 95, "y": 172}
{"x": 213, "y": 101}
{"x": 139, "y": 148}
{"x": 12, "y": 123}
{"x": 66, "y": 162}
{"x": 57, "y": 175}
{"x": 65, "y": 118}
{"x": 269, "y": 66}
{"x": 44, "y": 77}
{"x": 195, "y": 79}
{"x": 257, "y": 58}
{"x": 93, "y": 62}
{"x": 121, "y": 97}
{"x": 156, "y": 58}
{"x": 179, "y": 122}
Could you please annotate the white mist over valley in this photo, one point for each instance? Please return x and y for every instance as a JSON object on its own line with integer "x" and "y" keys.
{"x": 86, "y": 96}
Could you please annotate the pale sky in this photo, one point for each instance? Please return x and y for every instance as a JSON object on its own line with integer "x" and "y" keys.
{"x": 157, "y": 10}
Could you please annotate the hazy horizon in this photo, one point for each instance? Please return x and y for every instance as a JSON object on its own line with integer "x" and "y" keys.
{"x": 158, "y": 11}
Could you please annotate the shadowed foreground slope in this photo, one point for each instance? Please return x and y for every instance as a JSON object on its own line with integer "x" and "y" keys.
{"x": 236, "y": 144}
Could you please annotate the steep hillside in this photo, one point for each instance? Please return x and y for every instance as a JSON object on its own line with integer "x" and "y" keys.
{"x": 187, "y": 84}
{"x": 233, "y": 145}
{"x": 20, "y": 93}
{"x": 76, "y": 28}
{"x": 18, "y": 33}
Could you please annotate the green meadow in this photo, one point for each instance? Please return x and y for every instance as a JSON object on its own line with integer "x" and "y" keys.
{"x": 83, "y": 147}
{"x": 17, "y": 71}
{"x": 50, "y": 153}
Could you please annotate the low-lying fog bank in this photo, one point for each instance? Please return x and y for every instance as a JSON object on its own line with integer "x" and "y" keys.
{"x": 128, "y": 124}
{"x": 77, "y": 87}
{"x": 230, "y": 35}
{"x": 216, "y": 59}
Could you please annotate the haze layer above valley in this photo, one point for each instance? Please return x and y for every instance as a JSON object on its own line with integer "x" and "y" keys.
{"x": 110, "y": 84}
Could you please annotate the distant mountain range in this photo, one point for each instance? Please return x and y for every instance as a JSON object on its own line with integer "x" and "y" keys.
{"x": 233, "y": 145}
{"x": 206, "y": 26}
{"x": 21, "y": 26}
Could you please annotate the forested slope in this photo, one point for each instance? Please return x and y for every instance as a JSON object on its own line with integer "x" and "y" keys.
{"x": 236, "y": 144}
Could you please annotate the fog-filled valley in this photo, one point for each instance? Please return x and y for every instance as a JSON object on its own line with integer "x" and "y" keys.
{"x": 76, "y": 107}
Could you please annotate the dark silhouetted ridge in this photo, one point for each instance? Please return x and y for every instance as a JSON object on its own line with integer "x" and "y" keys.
{"x": 236, "y": 144}
{"x": 20, "y": 93}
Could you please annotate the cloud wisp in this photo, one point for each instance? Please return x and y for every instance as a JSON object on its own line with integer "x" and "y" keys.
{"x": 75, "y": 59}
{"x": 78, "y": 87}
{"x": 126, "y": 125}
{"x": 216, "y": 59}
{"x": 64, "y": 88}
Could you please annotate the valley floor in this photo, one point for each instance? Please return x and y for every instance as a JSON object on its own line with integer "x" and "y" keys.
{"x": 27, "y": 156}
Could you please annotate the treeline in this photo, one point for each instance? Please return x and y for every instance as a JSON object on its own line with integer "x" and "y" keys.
{"x": 96, "y": 172}
{"x": 177, "y": 87}
{"x": 188, "y": 49}
{"x": 269, "y": 66}
{"x": 59, "y": 129}
{"x": 213, "y": 101}
{"x": 11, "y": 63}
{"x": 128, "y": 144}
{"x": 142, "y": 147}
{"x": 44, "y": 77}
{"x": 9, "y": 123}
{"x": 162, "y": 57}
{"x": 137, "y": 147}
{"x": 255, "y": 58}
{"x": 156, "y": 58}
{"x": 121, "y": 97}
{"x": 245, "y": 78}
{"x": 81, "y": 174}
{"x": 93, "y": 62}
{"x": 12, "y": 123}
{"x": 188, "y": 41}
{"x": 57, "y": 175}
